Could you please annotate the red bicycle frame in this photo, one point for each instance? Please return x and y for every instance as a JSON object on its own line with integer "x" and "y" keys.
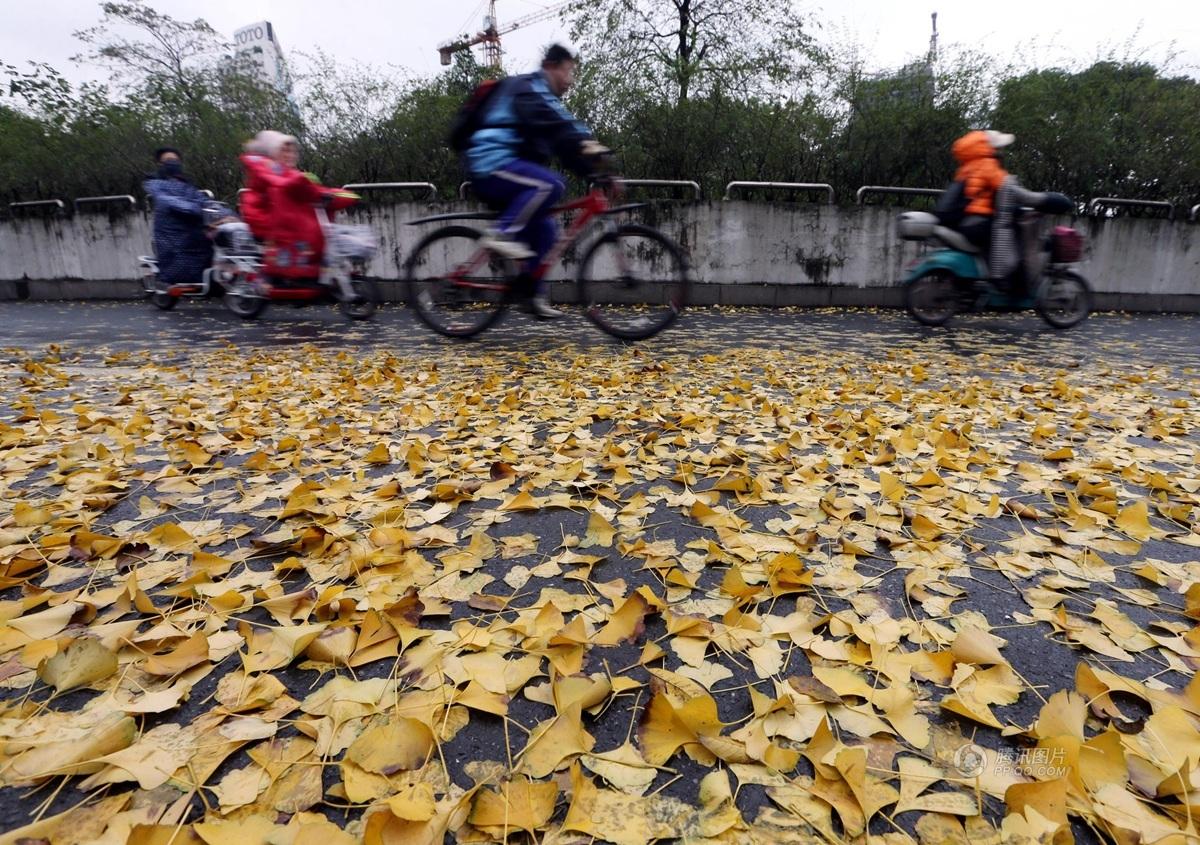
{"x": 590, "y": 206}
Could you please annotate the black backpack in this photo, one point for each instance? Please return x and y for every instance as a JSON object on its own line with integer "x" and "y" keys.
{"x": 468, "y": 119}
{"x": 952, "y": 205}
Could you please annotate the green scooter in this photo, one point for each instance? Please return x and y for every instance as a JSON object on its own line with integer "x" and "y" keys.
{"x": 954, "y": 276}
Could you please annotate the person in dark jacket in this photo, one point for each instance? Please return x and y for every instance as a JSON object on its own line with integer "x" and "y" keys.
{"x": 181, "y": 241}
{"x": 524, "y": 126}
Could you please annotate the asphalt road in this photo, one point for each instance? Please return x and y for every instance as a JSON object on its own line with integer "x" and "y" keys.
{"x": 87, "y": 333}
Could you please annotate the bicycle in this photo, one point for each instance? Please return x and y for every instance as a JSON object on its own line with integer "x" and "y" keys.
{"x": 459, "y": 289}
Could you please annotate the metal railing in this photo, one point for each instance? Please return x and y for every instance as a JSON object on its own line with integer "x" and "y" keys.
{"x": 57, "y": 205}
{"x": 902, "y": 192}
{"x": 781, "y": 186}
{"x": 1195, "y": 213}
{"x": 1117, "y": 202}
{"x": 428, "y": 187}
{"x": 122, "y": 199}
{"x": 694, "y": 187}
{"x": 465, "y": 188}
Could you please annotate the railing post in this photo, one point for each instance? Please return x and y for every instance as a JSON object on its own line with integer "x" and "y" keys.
{"x": 121, "y": 199}
{"x": 57, "y": 205}
{"x": 888, "y": 189}
{"x": 782, "y": 186}
{"x": 694, "y": 187}
{"x": 428, "y": 187}
{"x": 1119, "y": 202}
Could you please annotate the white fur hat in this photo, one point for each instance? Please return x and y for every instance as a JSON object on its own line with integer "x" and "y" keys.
{"x": 999, "y": 140}
{"x": 269, "y": 143}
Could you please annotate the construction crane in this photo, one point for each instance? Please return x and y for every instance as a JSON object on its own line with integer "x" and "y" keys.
{"x": 491, "y": 33}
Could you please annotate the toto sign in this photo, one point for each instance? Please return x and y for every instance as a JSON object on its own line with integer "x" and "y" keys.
{"x": 252, "y": 34}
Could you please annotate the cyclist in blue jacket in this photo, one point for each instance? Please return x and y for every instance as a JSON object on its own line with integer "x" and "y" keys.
{"x": 523, "y": 126}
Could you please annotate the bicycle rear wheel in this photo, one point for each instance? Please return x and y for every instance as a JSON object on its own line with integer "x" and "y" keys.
{"x": 633, "y": 282}
{"x": 457, "y": 290}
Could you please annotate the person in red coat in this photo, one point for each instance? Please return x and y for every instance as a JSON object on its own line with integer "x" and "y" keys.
{"x": 282, "y": 205}
{"x": 254, "y": 204}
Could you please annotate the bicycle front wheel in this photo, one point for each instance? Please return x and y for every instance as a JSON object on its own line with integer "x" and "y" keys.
{"x": 633, "y": 282}
{"x": 456, "y": 288}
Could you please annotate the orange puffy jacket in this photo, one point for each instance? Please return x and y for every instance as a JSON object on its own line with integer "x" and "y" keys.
{"x": 980, "y": 172}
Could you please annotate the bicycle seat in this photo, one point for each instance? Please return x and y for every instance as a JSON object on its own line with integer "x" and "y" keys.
{"x": 954, "y": 240}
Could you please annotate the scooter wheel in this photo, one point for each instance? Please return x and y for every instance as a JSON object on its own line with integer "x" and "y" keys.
{"x": 163, "y": 300}
{"x": 244, "y": 301}
{"x": 932, "y": 298}
{"x": 366, "y": 299}
{"x": 1064, "y": 299}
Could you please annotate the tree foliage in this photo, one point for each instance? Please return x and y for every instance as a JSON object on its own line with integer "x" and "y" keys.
{"x": 1114, "y": 129}
{"x": 705, "y": 90}
{"x": 676, "y": 49}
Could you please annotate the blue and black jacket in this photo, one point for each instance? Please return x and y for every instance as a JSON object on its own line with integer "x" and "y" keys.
{"x": 525, "y": 120}
{"x": 180, "y": 243}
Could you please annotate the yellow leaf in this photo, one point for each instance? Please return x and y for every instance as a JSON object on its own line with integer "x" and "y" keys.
{"x": 619, "y": 818}
{"x": 916, "y": 776}
{"x": 250, "y": 830}
{"x": 378, "y": 455}
{"x": 891, "y": 487}
{"x": 975, "y": 646}
{"x": 1134, "y": 520}
{"x": 84, "y": 661}
{"x": 520, "y": 804}
{"x": 45, "y": 623}
{"x": 626, "y": 623}
{"x": 1049, "y": 798}
{"x": 273, "y": 648}
{"x": 624, "y": 768}
{"x": 787, "y": 574}
{"x": 554, "y": 741}
{"x": 396, "y": 746}
{"x": 600, "y": 532}
{"x": 929, "y": 479}
{"x": 74, "y": 756}
{"x": 191, "y": 652}
{"x": 926, "y": 528}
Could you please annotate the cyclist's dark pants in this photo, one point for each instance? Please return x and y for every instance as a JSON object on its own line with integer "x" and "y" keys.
{"x": 523, "y": 192}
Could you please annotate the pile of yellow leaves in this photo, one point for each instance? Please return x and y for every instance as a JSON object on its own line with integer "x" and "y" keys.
{"x": 754, "y": 596}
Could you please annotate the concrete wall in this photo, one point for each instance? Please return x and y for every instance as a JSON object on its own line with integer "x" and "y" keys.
{"x": 741, "y": 252}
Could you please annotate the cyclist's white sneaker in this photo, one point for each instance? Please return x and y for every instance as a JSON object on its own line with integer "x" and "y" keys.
{"x": 540, "y": 307}
{"x": 506, "y": 247}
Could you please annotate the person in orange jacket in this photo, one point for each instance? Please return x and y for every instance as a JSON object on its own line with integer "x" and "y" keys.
{"x": 981, "y": 172}
{"x": 284, "y": 202}
{"x": 992, "y": 202}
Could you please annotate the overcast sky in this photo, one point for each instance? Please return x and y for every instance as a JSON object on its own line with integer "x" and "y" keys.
{"x": 405, "y": 33}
